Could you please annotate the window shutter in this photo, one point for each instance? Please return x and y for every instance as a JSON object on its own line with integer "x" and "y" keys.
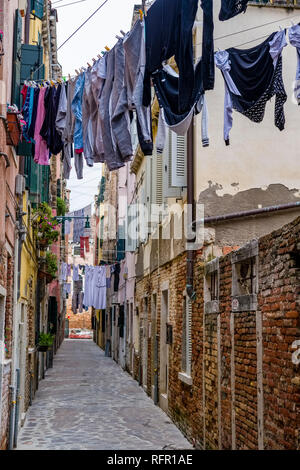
{"x": 174, "y": 165}
{"x": 16, "y": 81}
{"x": 130, "y": 222}
{"x": 143, "y": 232}
{"x": 37, "y": 8}
{"x": 157, "y": 177}
{"x": 148, "y": 186}
{"x": 32, "y": 67}
{"x": 180, "y": 161}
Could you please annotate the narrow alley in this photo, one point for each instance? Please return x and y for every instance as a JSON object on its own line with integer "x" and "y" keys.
{"x": 87, "y": 403}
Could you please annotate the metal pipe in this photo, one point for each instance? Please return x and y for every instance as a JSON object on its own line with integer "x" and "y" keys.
{"x": 249, "y": 213}
{"x": 12, "y": 417}
{"x": 2, "y": 154}
{"x": 27, "y": 22}
{"x": 191, "y": 206}
{"x": 15, "y": 440}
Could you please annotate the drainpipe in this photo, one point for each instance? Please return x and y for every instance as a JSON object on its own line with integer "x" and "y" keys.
{"x": 190, "y": 254}
{"x": 12, "y": 418}
{"x": 27, "y": 22}
{"x": 245, "y": 214}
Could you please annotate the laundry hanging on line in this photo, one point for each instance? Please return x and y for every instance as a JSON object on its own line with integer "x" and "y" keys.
{"x": 252, "y": 76}
{"x": 91, "y": 115}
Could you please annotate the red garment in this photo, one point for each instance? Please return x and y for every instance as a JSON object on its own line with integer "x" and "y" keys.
{"x": 84, "y": 245}
{"x": 24, "y": 93}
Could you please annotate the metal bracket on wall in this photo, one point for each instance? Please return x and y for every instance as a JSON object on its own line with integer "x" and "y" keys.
{"x": 2, "y": 154}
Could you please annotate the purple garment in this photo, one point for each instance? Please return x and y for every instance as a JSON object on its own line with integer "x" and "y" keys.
{"x": 75, "y": 273}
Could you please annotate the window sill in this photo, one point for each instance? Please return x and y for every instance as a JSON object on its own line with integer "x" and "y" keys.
{"x": 187, "y": 379}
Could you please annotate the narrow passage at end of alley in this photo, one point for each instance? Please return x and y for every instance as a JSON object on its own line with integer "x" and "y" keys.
{"x": 87, "y": 403}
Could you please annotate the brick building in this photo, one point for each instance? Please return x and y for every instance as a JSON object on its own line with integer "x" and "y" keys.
{"x": 28, "y": 51}
{"x": 213, "y": 329}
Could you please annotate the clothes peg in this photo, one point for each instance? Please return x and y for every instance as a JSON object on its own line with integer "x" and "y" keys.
{"x": 93, "y": 59}
{"x": 107, "y": 48}
{"x": 103, "y": 52}
{"x": 122, "y": 32}
{"x": 141, "y": 15}
{"x": 99, "y": 56}
{"x": 76, "y": 71}
{"x": 69, "y": 76}
{"x": 89, "y": 65}
{"x": 119, "y": 38}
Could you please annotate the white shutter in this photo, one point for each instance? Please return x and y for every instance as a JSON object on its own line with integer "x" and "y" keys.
{"x": 148, "y": 184}
{"x": 143, "y": 218}
{"x": 130, "y": 244}
{"x": 179, "y": 161}
{"x": 174, "y": 165}
{"x": 157, "y": 178}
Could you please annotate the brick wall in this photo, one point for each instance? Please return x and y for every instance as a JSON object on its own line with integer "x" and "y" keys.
{"x": 80, "y": 320}
{"x": 244, "y": 392}
{"x": 5, "y": 411}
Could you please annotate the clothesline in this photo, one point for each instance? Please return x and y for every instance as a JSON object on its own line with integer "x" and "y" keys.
{"x": 89, "y": 117}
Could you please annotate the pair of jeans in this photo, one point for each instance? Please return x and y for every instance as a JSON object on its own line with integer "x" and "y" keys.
{"x": 135, "y": 62}
{"x": 77, "y": 111}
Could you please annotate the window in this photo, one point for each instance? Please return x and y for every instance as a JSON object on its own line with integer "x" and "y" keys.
{"x": 244, "y": 278}
{"x": 76, "y": 250}
{"x": 211, "y": 286}
{"x": 186, "y": 345}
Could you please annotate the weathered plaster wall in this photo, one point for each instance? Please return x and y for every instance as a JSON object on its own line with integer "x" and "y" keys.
{"x": 261, "y": 165}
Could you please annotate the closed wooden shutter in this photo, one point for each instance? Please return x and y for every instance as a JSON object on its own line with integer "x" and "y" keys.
{"x": 179, "y": 176}
{"x": 174, "y": 166}
{"x": 37, "y": 8}
{"x": 16, "y": 80}
{"x": 131, "y": 228}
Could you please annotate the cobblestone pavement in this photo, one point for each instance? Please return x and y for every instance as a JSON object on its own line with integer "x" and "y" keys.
{"x": 87, "y": 402}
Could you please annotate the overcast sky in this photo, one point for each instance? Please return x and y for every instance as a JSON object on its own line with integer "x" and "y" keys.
{"x": 90, "y": 40}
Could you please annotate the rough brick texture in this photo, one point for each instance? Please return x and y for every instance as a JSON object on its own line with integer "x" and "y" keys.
{"x": 242, "y": 396}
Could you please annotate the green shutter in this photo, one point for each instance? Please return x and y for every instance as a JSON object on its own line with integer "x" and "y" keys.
{"x": 37, "y": 181}
{"x": 16, "y": 80}
{"x": 37, "y": 8}
{"x": 44, "y": 181}
{"x": 32, "y": 67}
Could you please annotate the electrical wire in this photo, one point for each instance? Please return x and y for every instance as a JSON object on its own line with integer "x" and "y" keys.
{"x": 251, "y": 29}
{"x": 99, "y": 8}
{"x": 68, "y": 4}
